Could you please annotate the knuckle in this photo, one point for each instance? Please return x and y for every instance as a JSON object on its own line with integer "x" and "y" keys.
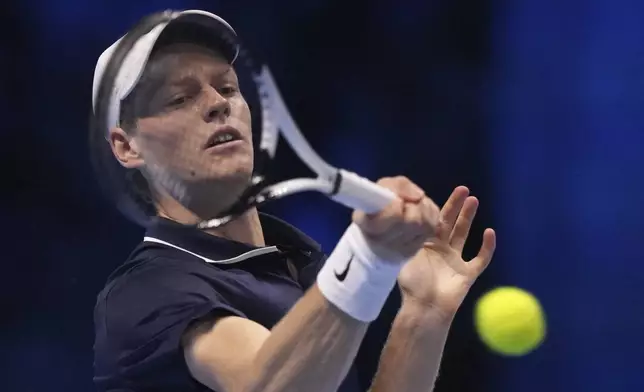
{"x": 388, "y": 182}
{"x": 385, "y": 180}
{"x": 397, "y": 180}
{"x": 396, "y": 183}
{"x": 401, "y": 179}
{"x": 397, "y": 208}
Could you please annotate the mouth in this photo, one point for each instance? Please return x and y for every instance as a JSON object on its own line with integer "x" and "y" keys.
{"x": 223, "y": 135}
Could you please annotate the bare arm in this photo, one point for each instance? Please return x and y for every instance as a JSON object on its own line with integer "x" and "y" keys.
{"x": 433, "y": 285}
{"x": 310, "y": 349}
{"x": 411, "y": 357}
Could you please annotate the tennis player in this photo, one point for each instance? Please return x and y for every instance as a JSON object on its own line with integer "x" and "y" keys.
{"x": 255, "y": 305}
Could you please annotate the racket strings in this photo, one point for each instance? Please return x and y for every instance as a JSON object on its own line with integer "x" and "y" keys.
{"x": 268, "y": 113}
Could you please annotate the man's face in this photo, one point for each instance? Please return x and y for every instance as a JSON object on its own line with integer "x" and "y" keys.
{"x": 188, "y": 97}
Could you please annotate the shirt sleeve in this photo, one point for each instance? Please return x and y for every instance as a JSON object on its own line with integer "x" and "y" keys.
{"x": 141, "y": 320}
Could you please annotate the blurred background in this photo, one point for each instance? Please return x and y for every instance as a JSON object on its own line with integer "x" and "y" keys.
{"x": 536, "y": 105}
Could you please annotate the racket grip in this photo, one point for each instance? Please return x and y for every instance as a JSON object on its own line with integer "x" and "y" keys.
{"x": 359, "y": 193}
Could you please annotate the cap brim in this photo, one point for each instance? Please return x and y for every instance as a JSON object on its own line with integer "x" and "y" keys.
{"x": 223, "y": 37}
{"x": 222, "y": 34}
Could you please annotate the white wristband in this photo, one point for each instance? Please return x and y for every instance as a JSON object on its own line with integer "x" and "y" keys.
{"x": 355, "y": 279}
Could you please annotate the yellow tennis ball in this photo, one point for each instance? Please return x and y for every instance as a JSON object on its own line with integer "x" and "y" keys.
{"x": 510, "y": 321}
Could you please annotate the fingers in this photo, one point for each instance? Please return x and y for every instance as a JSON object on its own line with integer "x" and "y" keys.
{"x": 404, "y": 188}
{"x": 385, "y": 220}
{"x": 482, "y": 260}
{"x": 462, "y": 209}
{"x": 451, "y": 211}
{"x": 405, "y": 224}
{"x": 418, "y": 223}
{"x": 431, "y": 217}
{"x": 464, "y": 223}
{"x": 381, "y": 223}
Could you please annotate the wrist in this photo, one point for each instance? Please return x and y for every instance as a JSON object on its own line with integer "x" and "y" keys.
{"x": 425, "y": 313}
{"x": 356, "y": 279}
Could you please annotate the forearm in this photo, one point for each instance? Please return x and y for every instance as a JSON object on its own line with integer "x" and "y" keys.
{"x": 313, "y": 346}
{"x": 412, "y": 354}
{"x": 310, "y": 349}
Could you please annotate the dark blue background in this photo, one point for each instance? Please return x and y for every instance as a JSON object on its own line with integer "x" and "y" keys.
{"x": 536, "y": 105}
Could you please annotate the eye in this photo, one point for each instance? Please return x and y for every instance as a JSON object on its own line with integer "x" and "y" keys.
{"x": 227, "y": 90}
{"x": 177, "y": 100}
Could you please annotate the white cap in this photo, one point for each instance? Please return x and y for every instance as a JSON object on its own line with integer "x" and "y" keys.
{"x": 137, "y": 58}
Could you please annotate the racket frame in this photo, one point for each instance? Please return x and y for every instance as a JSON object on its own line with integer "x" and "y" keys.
{"x": 342, "y": 186}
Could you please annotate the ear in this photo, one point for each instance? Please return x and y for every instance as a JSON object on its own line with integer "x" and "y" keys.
{"x": 125, "y": 149}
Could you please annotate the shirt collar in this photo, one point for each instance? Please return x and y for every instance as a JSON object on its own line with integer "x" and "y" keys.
{"x": 279, "y": 236}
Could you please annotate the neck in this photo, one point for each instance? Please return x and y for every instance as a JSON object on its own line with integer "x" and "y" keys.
{"x": 246, "y": 228}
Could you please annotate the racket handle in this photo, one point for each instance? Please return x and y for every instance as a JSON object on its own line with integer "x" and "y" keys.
{"x": 361, "y": 194}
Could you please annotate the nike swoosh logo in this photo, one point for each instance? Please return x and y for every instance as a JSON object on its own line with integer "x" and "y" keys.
{"x": 343, "y": 275}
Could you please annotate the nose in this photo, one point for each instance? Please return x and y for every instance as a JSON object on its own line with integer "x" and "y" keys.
{"x": 217, "y": 106}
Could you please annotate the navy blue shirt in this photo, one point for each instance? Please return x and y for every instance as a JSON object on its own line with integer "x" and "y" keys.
{"x": 178, "y": 275}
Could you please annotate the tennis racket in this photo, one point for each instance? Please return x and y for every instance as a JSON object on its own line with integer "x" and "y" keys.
{"x": 270, "y": 112}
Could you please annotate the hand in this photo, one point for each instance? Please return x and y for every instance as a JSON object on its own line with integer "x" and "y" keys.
{"x": 437, "y": 276}
{"x": 398, "y": 232}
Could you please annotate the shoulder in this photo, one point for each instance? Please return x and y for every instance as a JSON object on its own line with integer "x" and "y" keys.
{"x": 143, "y": 272}
{"x": 151, "y": 293}
{"x": 155, "y": 266}
{"x": 144, "y": 310}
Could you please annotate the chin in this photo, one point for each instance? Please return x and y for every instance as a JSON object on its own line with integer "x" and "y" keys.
{"x": 237, "y": 175}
